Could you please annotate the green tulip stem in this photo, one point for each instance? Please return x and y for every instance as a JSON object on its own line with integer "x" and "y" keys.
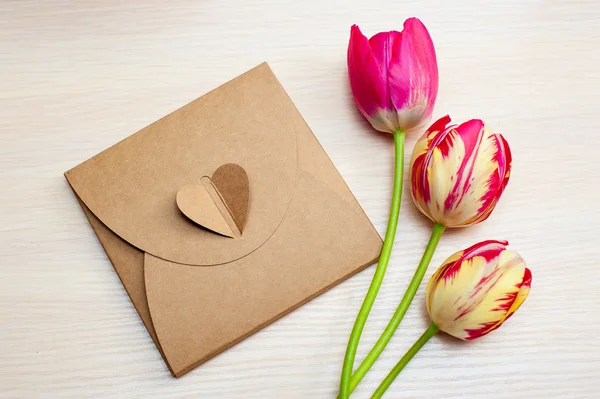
{"x": 393, "y": 324}
{"x": 385, "y": 384}
{"x": 384, "y": 258}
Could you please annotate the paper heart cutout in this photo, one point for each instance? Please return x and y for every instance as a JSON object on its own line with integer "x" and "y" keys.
{"x": 220, "y": 203}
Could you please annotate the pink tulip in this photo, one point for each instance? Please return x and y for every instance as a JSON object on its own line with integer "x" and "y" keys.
{"x": 394, "y": 76}
{"x": 394, "y": 80}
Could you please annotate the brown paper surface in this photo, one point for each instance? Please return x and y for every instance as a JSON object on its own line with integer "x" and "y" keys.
{"x": 316, "y": 237}
{"x": 131, "y": 187}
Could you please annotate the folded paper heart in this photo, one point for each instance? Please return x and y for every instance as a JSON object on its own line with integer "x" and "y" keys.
{"x": 220, "y": 203}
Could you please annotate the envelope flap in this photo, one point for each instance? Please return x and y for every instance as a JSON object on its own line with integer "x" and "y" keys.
{"x": 132, "y": 186}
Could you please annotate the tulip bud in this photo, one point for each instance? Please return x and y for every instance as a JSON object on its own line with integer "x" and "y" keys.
{"x": 394, "y": 76}
{"x": 458, "y": 173}
{"x": 478, "y": 289}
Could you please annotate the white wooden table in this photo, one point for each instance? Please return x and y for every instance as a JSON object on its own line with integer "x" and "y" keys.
{"x": 76, "y": 77}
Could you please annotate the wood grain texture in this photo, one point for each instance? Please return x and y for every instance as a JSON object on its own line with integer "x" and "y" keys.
{"x": 77, "y": 77}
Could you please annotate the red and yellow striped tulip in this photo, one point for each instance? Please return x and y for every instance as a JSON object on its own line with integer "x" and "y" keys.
{"x": 469, "y": 296}
{"x": 459, "y": 172}
{"x": 478, "y": 289}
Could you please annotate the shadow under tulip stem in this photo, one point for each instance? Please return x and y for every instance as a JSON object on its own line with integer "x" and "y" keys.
{"x": 385, "y": 384}
{"x": 396, "y": 319}
{"x": 384, "y": 258}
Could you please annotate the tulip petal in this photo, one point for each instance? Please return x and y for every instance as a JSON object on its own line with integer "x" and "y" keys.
{"x": 506, "y": 306}
{"x": 413, "y": 74}
{"x": 488, "y": 250}
{"x": 494, "y": 179}
{"x": 381, "y": 48}
{"x": 507, "y": 161}
{"x": 439, "y": 275}
{"x": 368, "y": 81}
{"x": 520, "y": 297}
{"x": 418, "y": 172}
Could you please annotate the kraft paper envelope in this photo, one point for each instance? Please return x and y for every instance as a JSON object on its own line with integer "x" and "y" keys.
{"x": 222, "y": 217}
